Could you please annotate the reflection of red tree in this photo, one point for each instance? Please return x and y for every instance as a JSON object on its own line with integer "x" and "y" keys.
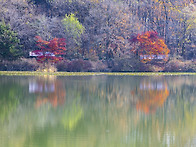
{"x": 151, "y": 99}
{"x": 57, "y": 97}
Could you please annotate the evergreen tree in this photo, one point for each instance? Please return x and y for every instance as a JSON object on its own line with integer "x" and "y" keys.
{"x": 8, "y": 42}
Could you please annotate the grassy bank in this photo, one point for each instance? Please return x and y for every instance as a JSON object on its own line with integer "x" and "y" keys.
{"x": 27, "y": 73}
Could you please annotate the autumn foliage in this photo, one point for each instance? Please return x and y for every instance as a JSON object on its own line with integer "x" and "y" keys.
{"x": 50, "y": 51}
{"x": 150, "y": 45}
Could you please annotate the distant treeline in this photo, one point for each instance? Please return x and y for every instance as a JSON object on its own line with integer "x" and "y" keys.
{"x": 97, "y": 30}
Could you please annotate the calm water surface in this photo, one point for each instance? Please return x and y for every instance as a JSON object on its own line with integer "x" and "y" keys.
{"x": 98, "y": 111}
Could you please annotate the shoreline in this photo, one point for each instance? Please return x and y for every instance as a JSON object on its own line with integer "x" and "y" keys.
{"x": 35, "y": 73}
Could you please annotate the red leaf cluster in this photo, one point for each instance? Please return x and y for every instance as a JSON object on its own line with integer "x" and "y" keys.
{"x": 149, "y": 44}
{"x": 50, "y": 50}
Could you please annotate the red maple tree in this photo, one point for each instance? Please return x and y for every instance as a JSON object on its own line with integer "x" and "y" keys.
{"x": 50, "y": 51}
{"x": 148, "y": 45}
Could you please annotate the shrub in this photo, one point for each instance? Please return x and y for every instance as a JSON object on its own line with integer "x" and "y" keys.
{"x": 79, "y": 65}
{"x": 192, "y": 67}
{"x": 176, "y": 65}
{"x": 99, "y": 66}
{"x": 19, "y": 65}
{"x": 126, "y": 64}
{"x": 62, "y": 66}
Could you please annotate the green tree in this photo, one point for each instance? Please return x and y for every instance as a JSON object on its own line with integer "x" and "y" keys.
{"x": 8, "y": 42}
{"x": 74, "y": 30}
{"x": 73, "y": 26}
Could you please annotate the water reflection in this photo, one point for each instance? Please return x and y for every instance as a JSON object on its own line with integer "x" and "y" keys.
{"x": 98, "y": 111}
{"x": 48, "y": 90}
{"x": 151, "y": 94}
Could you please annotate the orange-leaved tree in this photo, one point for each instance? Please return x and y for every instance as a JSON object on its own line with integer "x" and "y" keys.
{"x": 50, "y": 51}
{"x": 149, "y": 45}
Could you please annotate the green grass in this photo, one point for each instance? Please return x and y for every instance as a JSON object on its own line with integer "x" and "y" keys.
{"x": 28, "y": 73}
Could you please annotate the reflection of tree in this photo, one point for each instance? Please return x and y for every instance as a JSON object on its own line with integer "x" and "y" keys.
{"x": 10, "y": 93}
{"x": 114, "y": 90}
{"x": 151, "y": 95}
{"x": 50, "y": 91}
{"x": 72, "y": 116}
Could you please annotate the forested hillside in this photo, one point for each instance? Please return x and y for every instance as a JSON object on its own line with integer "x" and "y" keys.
{"x": 101, "y": 35}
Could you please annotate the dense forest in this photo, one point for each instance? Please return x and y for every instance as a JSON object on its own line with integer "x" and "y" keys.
{"x": 100, "y": 35}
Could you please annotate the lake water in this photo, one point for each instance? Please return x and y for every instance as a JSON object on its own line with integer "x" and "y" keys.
{"x": 98, "y": 111}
